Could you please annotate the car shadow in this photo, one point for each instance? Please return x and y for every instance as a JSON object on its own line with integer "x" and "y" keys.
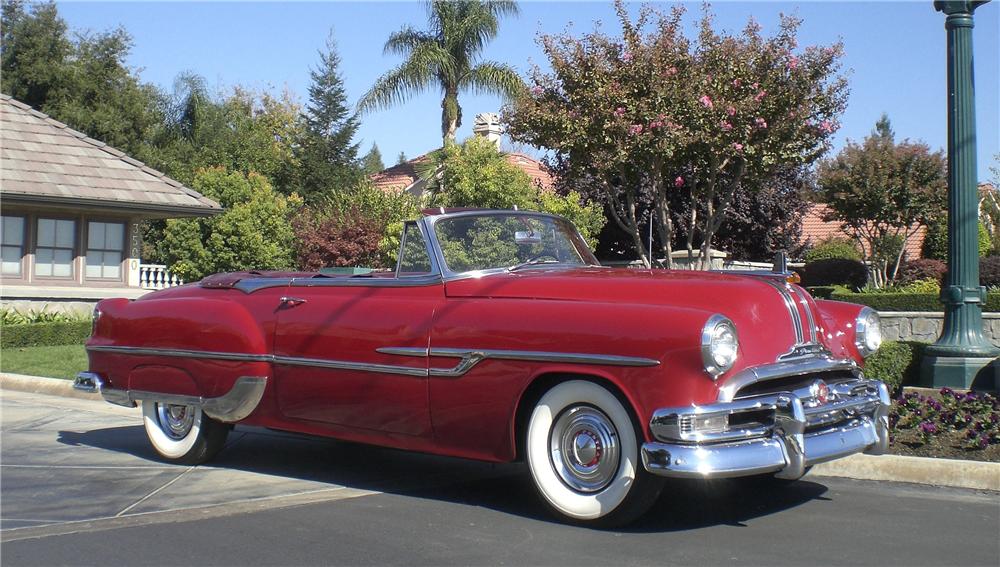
{"x": 507, "y": 488}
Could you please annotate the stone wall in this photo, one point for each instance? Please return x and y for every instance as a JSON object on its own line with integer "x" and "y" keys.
{"x": 926, "y": 326}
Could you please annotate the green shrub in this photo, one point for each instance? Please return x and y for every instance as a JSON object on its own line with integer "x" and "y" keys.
{"x": 829, "y": 248}
{"x": 45, "y": 334}
{"x": 989, "y": 271}
{"x": 926, "y": 285}
{"x": 25, "y": 316}
{"x": 984, "y": 241}
{"x": 891, "y": 301}
{"x": 921, "y": 269}
{"x": 821, "y": 292}
{"x": 896, "y": 363}
{"x": 935, "y": 244}
{"x": 835, "y": 271}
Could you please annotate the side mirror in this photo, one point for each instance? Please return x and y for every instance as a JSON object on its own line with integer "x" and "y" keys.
{"x": 527, "y": 237}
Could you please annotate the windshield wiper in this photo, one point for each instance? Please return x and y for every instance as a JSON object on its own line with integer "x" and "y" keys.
{"x": 533, "y": 262}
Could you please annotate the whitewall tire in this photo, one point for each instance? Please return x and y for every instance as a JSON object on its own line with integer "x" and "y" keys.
{"x": 583, "y": 452}
{"x": 182, "y": 434}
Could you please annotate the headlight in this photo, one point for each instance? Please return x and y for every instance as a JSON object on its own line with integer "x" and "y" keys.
{"x": 868, "y": 331}
{"x": 719, "y": 345}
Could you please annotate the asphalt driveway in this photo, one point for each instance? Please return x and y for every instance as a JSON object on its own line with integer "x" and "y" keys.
{"x": 81, "y": 486}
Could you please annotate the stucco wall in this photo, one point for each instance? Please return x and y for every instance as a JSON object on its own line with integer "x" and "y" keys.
{"x": 926, "y": 326}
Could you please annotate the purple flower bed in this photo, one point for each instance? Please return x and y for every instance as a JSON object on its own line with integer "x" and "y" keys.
{"x": 951, "y": 424}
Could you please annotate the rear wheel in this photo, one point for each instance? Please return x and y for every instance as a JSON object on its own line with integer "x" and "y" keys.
{"x": 182, "y": 434}
{"x": 583, "y": 452}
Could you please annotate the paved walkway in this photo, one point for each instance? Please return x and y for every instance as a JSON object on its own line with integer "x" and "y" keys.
{"x": 78, "y": 464}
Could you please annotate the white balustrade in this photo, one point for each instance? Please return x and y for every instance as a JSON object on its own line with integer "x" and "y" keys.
{"x": 156, "y": 276}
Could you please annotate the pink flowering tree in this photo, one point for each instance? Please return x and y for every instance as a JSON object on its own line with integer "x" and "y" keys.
{"x": 637, "y": 119}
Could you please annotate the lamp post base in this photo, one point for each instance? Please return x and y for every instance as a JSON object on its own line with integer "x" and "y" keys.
{"x": 969, "y": 373}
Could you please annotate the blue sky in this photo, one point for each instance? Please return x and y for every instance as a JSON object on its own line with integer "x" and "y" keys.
{"x": 895, "y": 55}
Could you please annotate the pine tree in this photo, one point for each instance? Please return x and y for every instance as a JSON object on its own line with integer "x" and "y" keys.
{"x": 329, "y": 155}
{"x": 372, "y": 161}
{"x": 401, "y": 158}
{"x": 883, "y": 128}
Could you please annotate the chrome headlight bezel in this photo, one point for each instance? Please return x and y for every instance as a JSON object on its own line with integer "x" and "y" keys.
{"x": 867, "y": 332}
{"x": 716, "y": 360}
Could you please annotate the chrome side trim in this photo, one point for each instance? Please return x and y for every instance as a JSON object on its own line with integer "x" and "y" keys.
{"x": 286, "y": 360}
{"x": 344, "y": 365}
{"x": 182, "y": 353}
{"x": 471, "y": 358}
{"x": 797, "y": 367}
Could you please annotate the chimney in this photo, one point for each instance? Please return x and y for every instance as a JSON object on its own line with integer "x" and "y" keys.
{"x": 487, "y": 125}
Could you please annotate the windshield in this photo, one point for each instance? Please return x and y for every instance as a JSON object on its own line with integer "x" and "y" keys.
{"x": 509, "y": 240}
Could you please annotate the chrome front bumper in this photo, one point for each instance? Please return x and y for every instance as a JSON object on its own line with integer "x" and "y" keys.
{"x": 781, "y": 433}
{"x": 236, "y": 404}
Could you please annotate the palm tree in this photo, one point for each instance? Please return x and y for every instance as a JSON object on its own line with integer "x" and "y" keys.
{"x": 445, "y": 56}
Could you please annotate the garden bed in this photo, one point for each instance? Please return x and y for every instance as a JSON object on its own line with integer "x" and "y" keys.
{"x": 950, "y": 425}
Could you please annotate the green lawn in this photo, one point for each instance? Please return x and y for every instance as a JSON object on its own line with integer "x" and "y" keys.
{"x": 62, "y": 361}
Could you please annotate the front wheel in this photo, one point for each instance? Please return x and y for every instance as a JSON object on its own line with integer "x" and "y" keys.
{"x": 583, "y": 452}
{"x": 182, "y": 434}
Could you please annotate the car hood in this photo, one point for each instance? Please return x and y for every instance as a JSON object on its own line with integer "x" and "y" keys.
{"x": 764, "y": 309}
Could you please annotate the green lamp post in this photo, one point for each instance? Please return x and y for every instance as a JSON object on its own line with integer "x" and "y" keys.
{"x": 962, "y": 356}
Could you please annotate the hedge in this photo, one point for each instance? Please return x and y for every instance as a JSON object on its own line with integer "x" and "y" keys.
{"x": 896, "y": 363}
{"x": 907, "y": 301}
{"x": 45, "y": 334}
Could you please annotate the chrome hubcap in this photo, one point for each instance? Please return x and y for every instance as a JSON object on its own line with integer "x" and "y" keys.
{"x": 583, "y": 447}
{"x": 176, "y": 421}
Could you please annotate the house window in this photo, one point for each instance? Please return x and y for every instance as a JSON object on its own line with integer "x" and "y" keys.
{"x": 56, "y": 243}
{"x": 12, "y": 244}
{"x": 105, "y": 249}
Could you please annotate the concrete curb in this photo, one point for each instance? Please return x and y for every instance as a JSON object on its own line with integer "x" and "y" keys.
{"x": 918, "y": 470}
{"x": 979, "y": 475}
{"x": 41, "y": 385}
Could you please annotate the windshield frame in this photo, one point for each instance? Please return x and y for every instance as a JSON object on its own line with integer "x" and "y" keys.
{"x": 586, "y": 254}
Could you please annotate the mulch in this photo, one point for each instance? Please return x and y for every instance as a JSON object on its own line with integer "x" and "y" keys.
{"x": 947, "y": 445}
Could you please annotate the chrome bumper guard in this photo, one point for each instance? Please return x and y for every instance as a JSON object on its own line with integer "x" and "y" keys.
{"x": 782, "y": 432}
{"x": 236, "y": 404}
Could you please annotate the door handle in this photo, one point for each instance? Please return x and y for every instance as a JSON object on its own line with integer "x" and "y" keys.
{"x": 287, "y": 301}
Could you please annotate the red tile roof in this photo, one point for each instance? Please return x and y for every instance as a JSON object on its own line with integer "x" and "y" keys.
{"x": 815, "y": 229}
{"x": 403, "y": 176}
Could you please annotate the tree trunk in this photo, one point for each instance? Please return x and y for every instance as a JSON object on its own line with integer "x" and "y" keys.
{"x": 451, "y": 115}
{"x": 624, "y": 215}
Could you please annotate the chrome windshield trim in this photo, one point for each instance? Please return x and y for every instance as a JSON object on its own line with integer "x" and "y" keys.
{"x": 796, "y": 367}
{"x": 472, "y": 357}
{"x": 449, "y": 275}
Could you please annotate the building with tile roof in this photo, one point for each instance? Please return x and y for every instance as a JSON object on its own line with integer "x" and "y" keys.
{"x": 816, "y": 229}
{"x": 405, "y": 177}
{"x": 71, "y": 207}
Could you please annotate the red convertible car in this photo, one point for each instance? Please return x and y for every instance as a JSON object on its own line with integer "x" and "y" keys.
{"x": 499, "y": 337}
